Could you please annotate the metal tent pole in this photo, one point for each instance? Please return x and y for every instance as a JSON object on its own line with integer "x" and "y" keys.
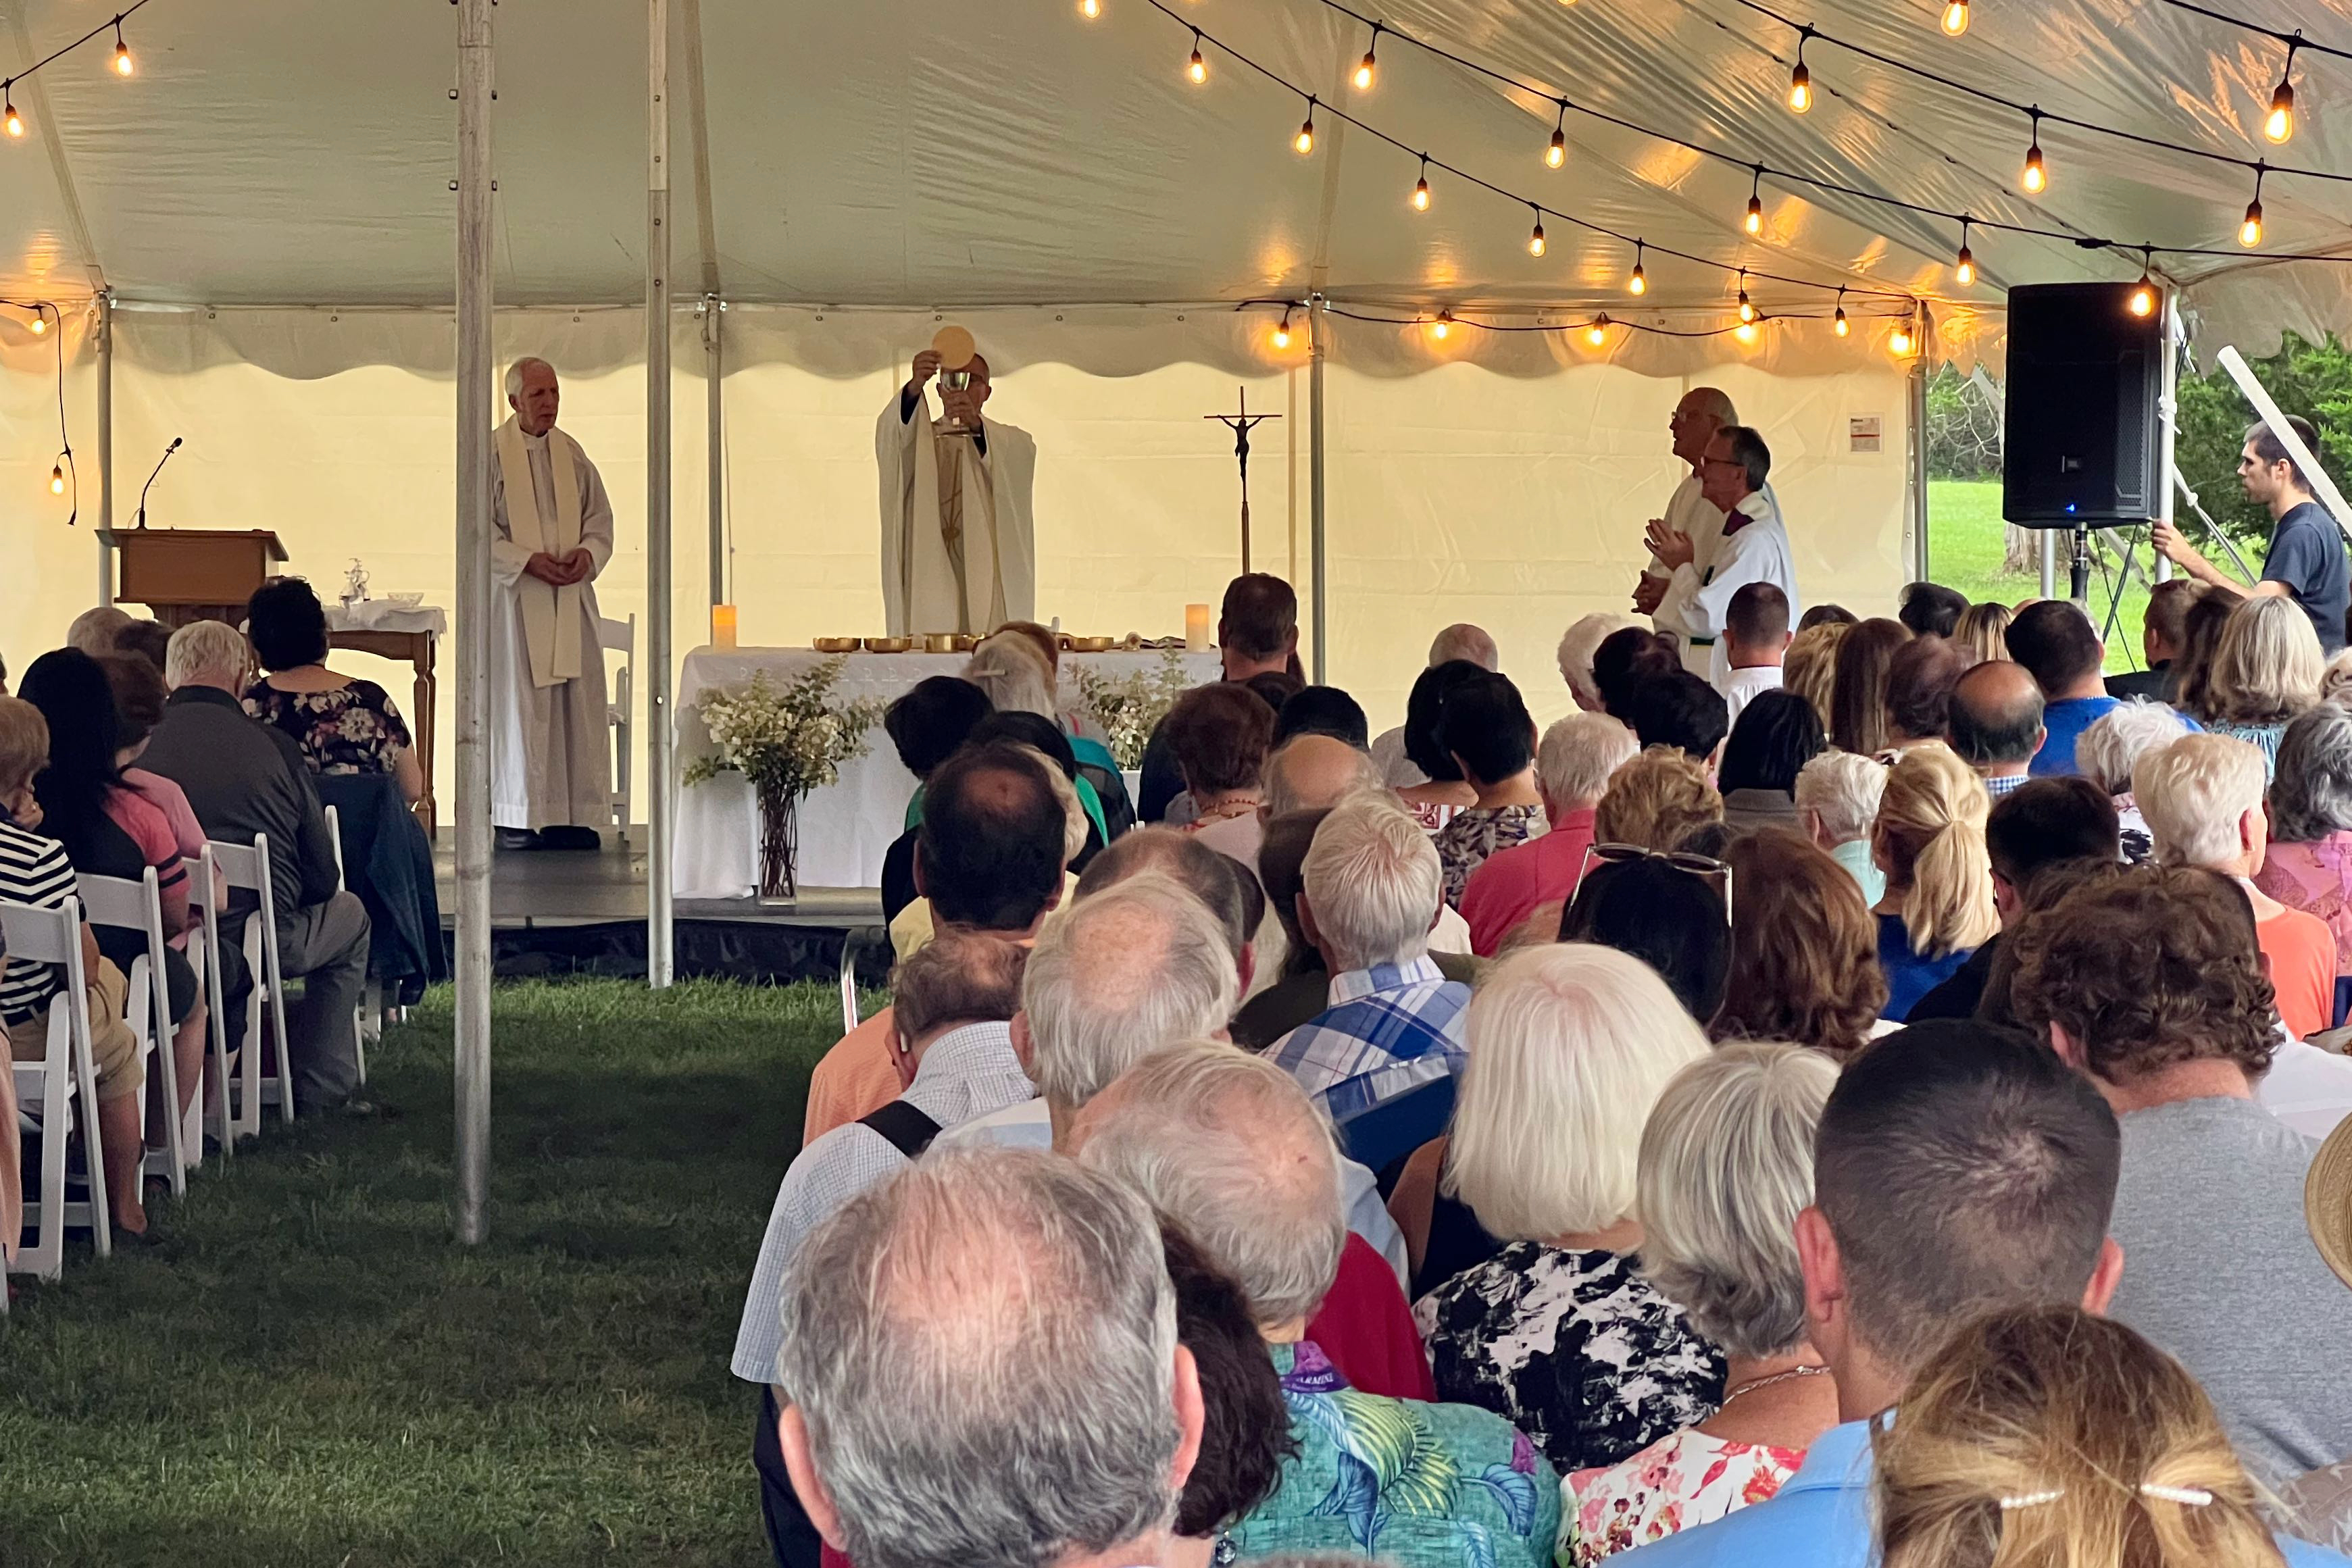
{"x": 475, "y": 62}
{"x": 1316, "y": 318}
{"x": 1916, "y": 419}
{"x": 2169, "y": 411}
{"x": 105, "y": 448}
{"x": 660, "y": 743}
{"x": 715, "y": 419}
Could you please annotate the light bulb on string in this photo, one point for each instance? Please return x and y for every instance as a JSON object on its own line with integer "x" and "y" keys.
{"x": 1368, "y": 68}
{"x": 1964, "y": 266}
{"x": 40, "y": 322}
{"x": 1196, "y": 68}
{"x": 1744, "y": 331}
{"x": 8, "y": 115}
{"x": 1304, "y": 143}
{"x": 1556, "y": 153}
{"x": 1746, "y": 309}
{"x": 1090, "y": 9}
{"x": 1536, "y": 237}
{"x": 1282, "y": 332}
{"x": 1598, "y": 333}
{"x": 1443, "y": 325}
{"x": 1637, "y": 283}
{"x": 2142, "y": 301}
{"x": 2035, "y": 178}
{"x": 58, "y": 480}
{"x": 1899, "y": 340}
{"x": 2279, "y": 124}
{"x": 1801, "y": 80}
{"x": 1840, "y": 326}
{"x": 122, "y": 65}
{"x": 1956, "y": 17}
{"x": 1754, "y": 222}
{"x": 2249, "y": 231}
{"x": 1421, "y": 187}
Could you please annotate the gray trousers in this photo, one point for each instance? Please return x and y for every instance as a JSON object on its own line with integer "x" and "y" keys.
{"x": 326, "y": 946}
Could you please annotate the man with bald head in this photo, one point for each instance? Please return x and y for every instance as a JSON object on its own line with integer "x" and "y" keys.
{"x": 959, "y": 542}
{"x": 550, "y": 759}
{"x": 1995, "y": 724}
{"x": 1702, "y": 411}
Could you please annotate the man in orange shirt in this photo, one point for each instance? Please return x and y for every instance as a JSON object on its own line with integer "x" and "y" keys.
{"x": 2202, "y": 797}
{"x": 989, "y": 857}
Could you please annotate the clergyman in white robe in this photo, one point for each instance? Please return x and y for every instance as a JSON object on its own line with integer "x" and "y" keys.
{"x": 1698, "y": 599}
{"x": 958, "y": 541}
{"x": 549, "y": 750}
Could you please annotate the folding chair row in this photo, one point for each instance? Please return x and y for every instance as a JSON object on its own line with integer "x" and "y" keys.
{"x": 60, "y": 1090}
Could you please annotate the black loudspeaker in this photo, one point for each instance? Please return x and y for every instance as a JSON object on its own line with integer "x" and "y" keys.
{"x": 2079, "y": 434}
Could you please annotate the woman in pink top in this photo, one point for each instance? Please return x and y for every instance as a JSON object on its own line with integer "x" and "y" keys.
{"x": 138, "y": 694}
{"x": 1572, "y": 767}
{"x": 2309, "y": 866}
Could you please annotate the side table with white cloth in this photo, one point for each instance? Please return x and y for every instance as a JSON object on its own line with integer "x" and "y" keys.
{"x": 397, "y": 629}
{"x": 847, "y": 828}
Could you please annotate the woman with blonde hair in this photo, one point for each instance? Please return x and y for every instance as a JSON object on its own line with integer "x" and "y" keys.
{"x": 1930, "y": 840}
{"x": 1810, "y": 667}
{"x": 1983, "y": 631}
{"x": 1019, "y": 667}
{"x": 2045, "y": 1435}
{"x": 1570, "y": 1048}
{"x": 2267, "y": 668}
{"x": 1655, "y": 799}
{"x": 1866, "y": 657}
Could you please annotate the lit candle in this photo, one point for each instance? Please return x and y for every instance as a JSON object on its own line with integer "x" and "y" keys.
{"x": 1196, "y": 627}
{"x": 722, "y": 627}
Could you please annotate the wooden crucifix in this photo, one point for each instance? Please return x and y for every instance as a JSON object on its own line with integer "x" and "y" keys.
{"x": 1241, "y": 424}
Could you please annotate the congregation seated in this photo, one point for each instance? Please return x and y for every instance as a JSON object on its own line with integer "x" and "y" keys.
{"x": 1668, "y": 911}
{"x": 2201, "y": 637}
{"x": 2202, "y": 797}
{"x": 1573, "y": 766}
{"x": 926, "y": 726}
{"x": 1776, "y": 735}
{"x": 1258, "y": 634}
{"x": 339, "y": 724}
{"x": 2112, "y": 747}
{"x": 1460, "y": 642}
{"x": 1624, "y": 658}
{"x": 1570, "y": 1047}
{"x": 1725, "y": 1165}
{"x": 2059, "y": 647}
{"x": 1993, "y": 723}
{"x": 2266, "y": 668}
{"x": 1931, "y": 610}
{"x": 1677, "y": 710}
{"x": 94, "y": 630}
{"x": 1312, "y": 770}
{"x": 1578, "y": 648}
{"x": 1443, "y": 791}
{"x": 1982, "y": 632}
{"x": 2163, "y": 632}
{"x": 916, "y": 925}
{"x": 1228, "y": 1147}
{"x": 1810, "y": 667}
{"x": 1019, "y": 669}
{"x": 1929, "y": 843}
{"x": 1245, "y": 1424}
{"x": 148, "y": 640}
{"x": 1919, "y": 683}
{"x": 1755, "y": 641}
{"x": 1487, "y": 731}
{"x": 1655, "y": 800}
{"x": 2308, "y": 866}
{"x": 1218, "y": 736}
{"x": 1865, "y": 664}
{"x": 1804, "y": 950}
{"x": 1323, "y": 710}
{"x": 1837, "y": 799}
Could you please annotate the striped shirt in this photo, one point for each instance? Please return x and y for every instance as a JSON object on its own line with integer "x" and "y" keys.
{"x": 1389, "y": 1028}
{"x": 35, "y": 871}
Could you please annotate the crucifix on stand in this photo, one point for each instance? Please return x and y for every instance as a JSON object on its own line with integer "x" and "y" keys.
{"x": 1241, "y": 424}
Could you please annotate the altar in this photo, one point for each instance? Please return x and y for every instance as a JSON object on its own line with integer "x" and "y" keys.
{"x": 847, "y": 828}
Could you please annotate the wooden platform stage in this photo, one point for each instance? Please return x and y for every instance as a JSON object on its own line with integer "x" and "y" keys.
{"x": 555, "y": 912}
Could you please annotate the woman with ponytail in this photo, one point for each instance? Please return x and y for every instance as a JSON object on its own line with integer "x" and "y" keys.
{"x": 1930, "y": 842}
{"x": 2047, "y": 1435}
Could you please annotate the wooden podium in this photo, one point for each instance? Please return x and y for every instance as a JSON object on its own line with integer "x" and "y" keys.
{"x": 194, "y": 574}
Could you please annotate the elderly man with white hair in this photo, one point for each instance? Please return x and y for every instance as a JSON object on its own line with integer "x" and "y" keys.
{"x": 1229, "y": 1148}
{"x": 551, "y": 767}
{"x": 1473, "y": 644}
{"x": 983, "y": 1367}
{"x": 1573, "y": 763}
{"x": 2112, "y": 748}
{"x": 1393, "y": 1027}
{"x": 245, "y": 779}
{"x": 1837, "y": 796}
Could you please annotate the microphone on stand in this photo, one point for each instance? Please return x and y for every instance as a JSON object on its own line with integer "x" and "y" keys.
{"x": 150, "y": 478}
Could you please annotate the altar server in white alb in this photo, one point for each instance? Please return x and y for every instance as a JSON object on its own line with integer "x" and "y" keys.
{"x": 1754, "y": 547}
{"x": 959, "y": 544}
{"x": 551, "y": 770}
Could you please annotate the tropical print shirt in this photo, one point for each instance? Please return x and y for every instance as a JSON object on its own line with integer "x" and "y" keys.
{"x": 354, "y": 729}
{"x": 1464, "y": 843}
{"x": 1414, "y": 1485}
{"x": 1676, "y": 1483}
{"x": 1574, "y": 1347}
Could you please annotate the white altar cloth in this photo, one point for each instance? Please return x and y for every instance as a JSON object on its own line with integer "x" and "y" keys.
{"x": 845, "y": 828}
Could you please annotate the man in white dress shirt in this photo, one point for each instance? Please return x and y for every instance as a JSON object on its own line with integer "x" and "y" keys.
{"x": 1754, "y": 547}
{"x": 1702, "y": 411}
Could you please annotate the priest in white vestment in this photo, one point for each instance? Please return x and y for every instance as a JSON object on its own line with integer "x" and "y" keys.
{"x": 959, "y": 544}
{"x": 1702, "y": 411}
{"x": 1754, "y": 547}
{"x": 550, "y": 766}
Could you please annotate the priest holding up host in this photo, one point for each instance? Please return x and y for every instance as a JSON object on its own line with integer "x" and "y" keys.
{"x": 958, "y": 541}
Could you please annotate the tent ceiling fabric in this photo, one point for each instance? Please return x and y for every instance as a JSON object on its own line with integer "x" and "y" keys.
{"x": 936, "y": 153}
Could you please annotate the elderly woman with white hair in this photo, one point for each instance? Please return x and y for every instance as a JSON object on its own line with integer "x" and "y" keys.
{"x": 2309, "y": 866}
{"x": 1726, "y": 1164}
{"x": 1570, "y": 1047}
{"x": 1576, "y": 646}
{"x": 1019, "y": 667}
{"x": 1837, "y": 800}
{"x": 2112, "y": 748}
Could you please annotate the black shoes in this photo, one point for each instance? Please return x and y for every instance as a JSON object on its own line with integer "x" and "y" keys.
{"x": 517, "y": 839}
{"x": 559, "y": 838}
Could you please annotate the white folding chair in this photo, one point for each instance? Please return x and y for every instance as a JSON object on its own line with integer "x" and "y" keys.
{"x": 122, "y": 904}
{"x": 367, "y": 1021}
{"x": 246, "y": 866}
{"x": 203, "y": 944}
{"x": 621, "y": 637}
{"x": 60, "y": 1087}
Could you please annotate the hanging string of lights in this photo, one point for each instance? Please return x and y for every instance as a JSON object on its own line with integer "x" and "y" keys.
{"x": 63, "y": 475}
{"x": 1595, "y": 330}
{"x": 2278, "y": 124}
{"x": 14, "y": 123}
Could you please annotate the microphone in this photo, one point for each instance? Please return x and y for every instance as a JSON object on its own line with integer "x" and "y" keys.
{"x": 150, "y": 478}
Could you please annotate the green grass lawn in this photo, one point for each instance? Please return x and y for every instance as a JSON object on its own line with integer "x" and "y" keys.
{"x": 311, "y": 1371}
{"x": 1964, "y": 550}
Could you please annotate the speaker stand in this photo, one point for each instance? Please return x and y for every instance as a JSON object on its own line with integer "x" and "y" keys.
{"x": 2080, "y": 575}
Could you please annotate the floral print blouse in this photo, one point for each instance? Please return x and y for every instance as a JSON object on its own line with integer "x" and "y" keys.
{"x": 1575, "y": 1348}
{"x": 1414, "y": 1485}
{"x": 354, "y": 729}
{"x": 1676, "y": 1483}
{"x": 1464, "y": 843}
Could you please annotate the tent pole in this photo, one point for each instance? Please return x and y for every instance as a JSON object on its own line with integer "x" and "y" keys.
{"x": 660, "y": 742}
{"x": 715, "y": 419}
{"x": 1917, "y": 420}
{"x": 475, "y": 372}
{"x": 1315, "y": 317}
{"x": 105, "y": 448}
{"x": 2168, "y": 410}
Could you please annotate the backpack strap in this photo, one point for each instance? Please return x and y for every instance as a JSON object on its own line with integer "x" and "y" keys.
{"x": 905, "y": 1128}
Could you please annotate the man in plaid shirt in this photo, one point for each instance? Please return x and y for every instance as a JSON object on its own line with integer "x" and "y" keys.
{"x": 1371, "y": 888}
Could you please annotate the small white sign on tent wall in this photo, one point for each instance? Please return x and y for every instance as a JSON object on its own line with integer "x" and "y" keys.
{"x": 1865, "y": 432}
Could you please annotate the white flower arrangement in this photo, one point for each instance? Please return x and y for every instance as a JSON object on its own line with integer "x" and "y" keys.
{"x": 1131, "y": 706}
{"x": 786, "y": 742}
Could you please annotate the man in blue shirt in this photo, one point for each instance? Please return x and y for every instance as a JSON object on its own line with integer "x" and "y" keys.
{"x": 2306, "y": 561}
{"x": 1958, "y": 1168}
{"x": 2060, "y": 649}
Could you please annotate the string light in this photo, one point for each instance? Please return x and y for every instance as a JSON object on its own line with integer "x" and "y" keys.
{"x": 1842, "y": 326}
{"x": 1557, "y": 153}
{"x": 8, "y": 115}
{"x": 1747, "y": 310}
{"x": 40, "y": 322}
{"x": 2279, "y": 124}
{"x": 1367, "y": 68}
{"x": 1305, "y": 141}
{"x": 2249, "y": 231}
{"x": 2143, "y": 294}
{"x": 1899, "y": 340}
{"x": 122, "y": 66}
{"x": 1964, "y": 266}
{"x": 1744, "y": 331}
{"x": 57, "y": 478}
{"x": 1536, "y": 238}
{"x": 1282, "y": 332}
{"x": 1754, "y": 222}
{"x": 1637, "y": 283}
{"x": 1956, "y": 17}
{"x": 1598, "y": 333}
{"x": 1801, "y": 80}
{"x": 1090, "y": 9}
{"x": 1197, "y": 68}
{"x": 1443, "y": 325}
{"x": 1421, "y": 187}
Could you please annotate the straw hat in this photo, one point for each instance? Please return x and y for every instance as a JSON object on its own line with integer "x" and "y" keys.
{"x": 2327, "y": 1200}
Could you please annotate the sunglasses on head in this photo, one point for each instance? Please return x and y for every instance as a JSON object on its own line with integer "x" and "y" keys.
{"x": 1681, "y": 860}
